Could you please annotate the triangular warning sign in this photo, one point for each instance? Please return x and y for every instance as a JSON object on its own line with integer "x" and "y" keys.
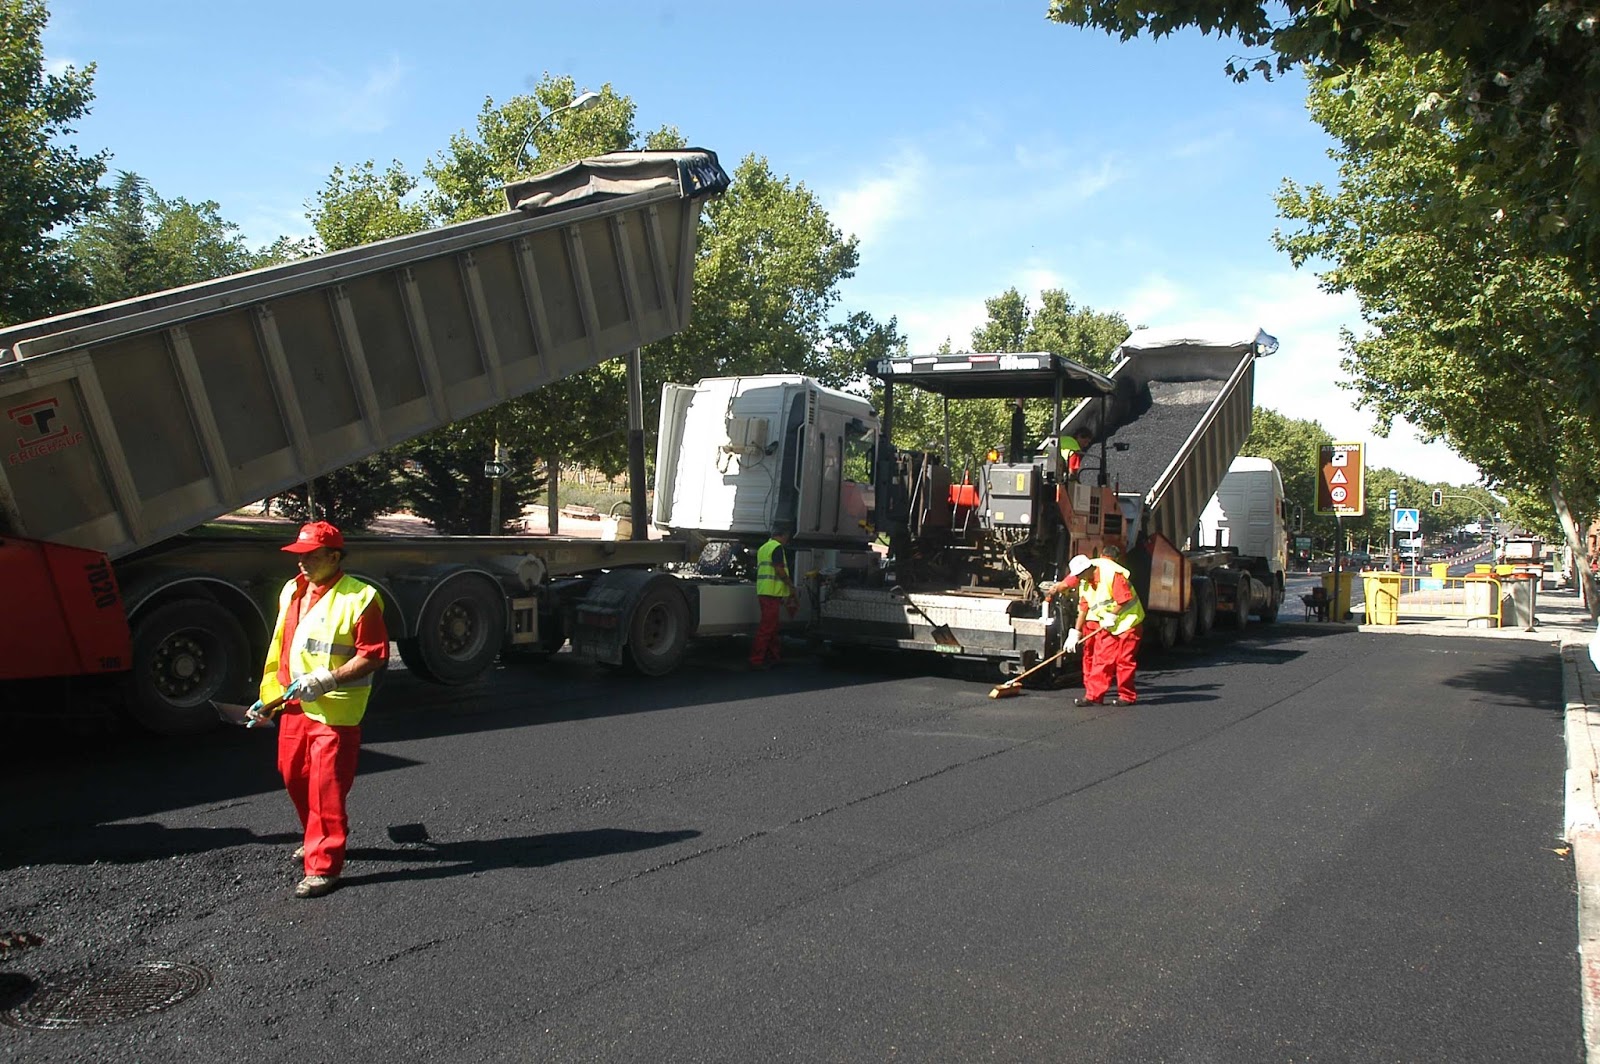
{"x": 1338, "y": 477}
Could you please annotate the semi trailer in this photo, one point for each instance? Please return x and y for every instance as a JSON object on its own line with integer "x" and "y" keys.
{"x": 132, "y": 424}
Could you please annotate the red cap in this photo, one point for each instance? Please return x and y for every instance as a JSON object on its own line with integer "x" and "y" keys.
{"x": 316, "y": 534}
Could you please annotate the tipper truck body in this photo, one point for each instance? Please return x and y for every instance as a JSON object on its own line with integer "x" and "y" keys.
{"x": 130, "y": 424}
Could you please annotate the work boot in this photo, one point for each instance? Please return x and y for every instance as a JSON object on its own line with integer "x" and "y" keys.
{"x": 315, "y": 886}
{"x": 1087, "y": 702}
{"x": 299, "y": 853}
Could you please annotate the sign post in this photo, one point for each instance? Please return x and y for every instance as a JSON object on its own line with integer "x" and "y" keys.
{"x": 1341, "y": 490}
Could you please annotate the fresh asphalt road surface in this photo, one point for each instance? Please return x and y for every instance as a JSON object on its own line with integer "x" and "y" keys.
{"x": 1306, "y": 843}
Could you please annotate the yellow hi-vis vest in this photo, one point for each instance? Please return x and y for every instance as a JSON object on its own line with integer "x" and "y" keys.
{"x": 1102, "y": 607}
{"x": 768, "y": 582}
{"x": 322, "y": 640}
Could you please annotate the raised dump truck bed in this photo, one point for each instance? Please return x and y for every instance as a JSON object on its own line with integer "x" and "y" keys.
{"x": 132, "y": 422}
{"x": 1185, "y": 406}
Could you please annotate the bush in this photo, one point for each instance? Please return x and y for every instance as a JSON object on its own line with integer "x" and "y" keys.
{"x": 443, "y": 483}
{"x": 350, "y": 497}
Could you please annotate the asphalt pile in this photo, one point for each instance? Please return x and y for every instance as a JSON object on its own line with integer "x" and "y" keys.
{"x": 1154, "y": 438}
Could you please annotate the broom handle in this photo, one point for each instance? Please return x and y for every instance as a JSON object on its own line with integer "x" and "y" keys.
{"x": 1022, "y": 676}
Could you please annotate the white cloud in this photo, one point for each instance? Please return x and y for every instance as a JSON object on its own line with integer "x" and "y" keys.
{"x": 867, "y": 209}
{"x": 330, "y": 101}
{"x": 57, "y": 67}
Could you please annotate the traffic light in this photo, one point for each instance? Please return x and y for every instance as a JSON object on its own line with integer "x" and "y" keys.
{"x": 1394, "y": 499}
{"x": 1438, "y": 496}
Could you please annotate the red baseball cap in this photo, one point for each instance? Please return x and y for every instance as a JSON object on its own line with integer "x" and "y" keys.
{"x": 315, "y": 535}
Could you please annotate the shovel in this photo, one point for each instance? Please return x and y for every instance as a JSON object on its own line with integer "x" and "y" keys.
{"x": 941, "y": 632}
{"x": 240, "y": 715}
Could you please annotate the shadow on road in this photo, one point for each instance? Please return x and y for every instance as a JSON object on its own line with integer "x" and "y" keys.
{"x": 441, "y": 859}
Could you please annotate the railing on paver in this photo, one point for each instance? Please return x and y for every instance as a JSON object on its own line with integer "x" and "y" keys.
{"x": 1433, "y": 596}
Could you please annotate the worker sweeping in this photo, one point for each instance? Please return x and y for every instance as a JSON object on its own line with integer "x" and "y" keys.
{"x": 1107, "y": 603}
{"x": 329, "y": 641}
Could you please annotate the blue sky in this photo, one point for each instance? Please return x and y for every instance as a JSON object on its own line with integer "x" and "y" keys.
{"x": 971, "y": 147}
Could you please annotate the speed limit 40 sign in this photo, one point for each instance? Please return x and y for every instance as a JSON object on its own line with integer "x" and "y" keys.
{"x": 1340, "y": 490}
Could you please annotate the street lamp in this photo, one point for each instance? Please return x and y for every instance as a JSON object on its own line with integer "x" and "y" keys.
{"x": 582, "y": 102}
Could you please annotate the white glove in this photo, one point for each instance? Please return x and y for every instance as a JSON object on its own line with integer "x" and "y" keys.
{"x": 312, "y": 686}
{"x": 1073, "y": 639}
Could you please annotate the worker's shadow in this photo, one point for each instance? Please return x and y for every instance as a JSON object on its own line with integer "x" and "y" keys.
{"x": 441, "y": 859}
{"x": 1171, "y": 694}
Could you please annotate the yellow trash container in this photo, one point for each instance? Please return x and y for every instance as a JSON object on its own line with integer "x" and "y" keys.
{"x": 1483, "y": 568}
{"x": 1383, "y": 597}
{"x": 1441, "y": 570}
{"x": 1339, "y": 605}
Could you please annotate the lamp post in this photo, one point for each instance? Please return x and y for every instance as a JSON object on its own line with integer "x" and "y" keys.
{"x": 581, "y": 102}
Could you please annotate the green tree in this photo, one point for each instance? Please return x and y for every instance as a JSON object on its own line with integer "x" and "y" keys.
{"x": 1524, "y": 95}
{"x": 1475, "y": 324}
{"x": 141, "y": 243}
{"x": 361, "y": 205}
{"x": 1081, "y": 334}
{"x": 44, "y": 184}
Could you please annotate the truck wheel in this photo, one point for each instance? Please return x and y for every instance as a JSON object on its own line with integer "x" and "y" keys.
{"x": 1270, "y": 614}
{"x": 658, "y": 631}
{"x": 1163, "y": 631}
{"x": 1241, "y": 603}
{"x": 461, "y": 631}
{"x": 1206, "y": 613}
{"x": 411, "y": 654}
{"x": 1189, "y": 619}
{"x": 185, "y": 654}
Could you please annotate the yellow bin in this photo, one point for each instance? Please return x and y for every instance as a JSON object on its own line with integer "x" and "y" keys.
{"x": 1383, "y": 597}
{"x": 1483, "y": 567}
{"x": 1441, "y": 570}
{"x": 1339, "y": 606}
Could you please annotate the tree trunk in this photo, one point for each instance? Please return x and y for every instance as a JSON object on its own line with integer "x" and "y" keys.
{"x": 1579, "y": 547}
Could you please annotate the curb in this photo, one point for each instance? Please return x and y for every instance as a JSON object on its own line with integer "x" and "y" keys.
{"x": 1582, "y": 828}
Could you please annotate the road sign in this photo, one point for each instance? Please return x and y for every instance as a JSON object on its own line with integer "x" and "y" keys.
{"x": 495, "y": 470}
{"x": 1340, "y": 487}
{"x": 1407, "y": 520}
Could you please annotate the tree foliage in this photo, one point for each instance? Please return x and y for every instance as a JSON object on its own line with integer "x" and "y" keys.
{"x": 766, "y": 279}
{"x": 140, "y": 243}
{"x": 1478, "y": 328}
{"x": 1060, "y": 326}
{"x": 44, "y": 184}
{"x": 1524, "y": 91}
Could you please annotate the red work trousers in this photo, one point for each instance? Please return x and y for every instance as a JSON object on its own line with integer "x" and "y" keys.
{"x": 1112, "y": 658}
{"x": 1086, "y": 652}
{"x": 318, "y": 765}
{"x": 767, "y": 646}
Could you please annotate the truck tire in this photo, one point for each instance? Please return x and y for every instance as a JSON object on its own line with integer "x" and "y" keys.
{"x": 411, "y": 654}
{"x": 1206, "y": 611}
{"x": 1241, "y": 602}
{"x": 658, "y": 631}
{"x": 1162, "y": 631}
{"x": 460, "y": 632}
{"x": 1275, "y": 600}
{"x": 1189, "y": 619}
{"x": 185, "y": 654}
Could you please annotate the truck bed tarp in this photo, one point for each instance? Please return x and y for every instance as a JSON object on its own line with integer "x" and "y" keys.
{"x": 693, "y": 172}
{"x": 1182, "y": 338}
{"x": 1024, "y": 375}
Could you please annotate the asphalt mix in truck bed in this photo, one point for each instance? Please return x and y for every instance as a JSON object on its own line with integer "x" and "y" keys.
{"x": 1155, "y": 437}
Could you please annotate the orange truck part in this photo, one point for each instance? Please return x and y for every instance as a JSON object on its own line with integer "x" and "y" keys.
{"x": 63, "y": 612}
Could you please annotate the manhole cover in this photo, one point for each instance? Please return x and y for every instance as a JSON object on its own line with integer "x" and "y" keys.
{"x": 112, "y": 997}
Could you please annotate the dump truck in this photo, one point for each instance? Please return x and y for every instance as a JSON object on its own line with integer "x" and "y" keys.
{"x": 134, "y": 423}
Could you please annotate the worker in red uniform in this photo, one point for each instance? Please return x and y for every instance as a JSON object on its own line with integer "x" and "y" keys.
{"x": 329, "y": 642}
{"x": 773, "y": 589}
{"x": 1108, "y": 604}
